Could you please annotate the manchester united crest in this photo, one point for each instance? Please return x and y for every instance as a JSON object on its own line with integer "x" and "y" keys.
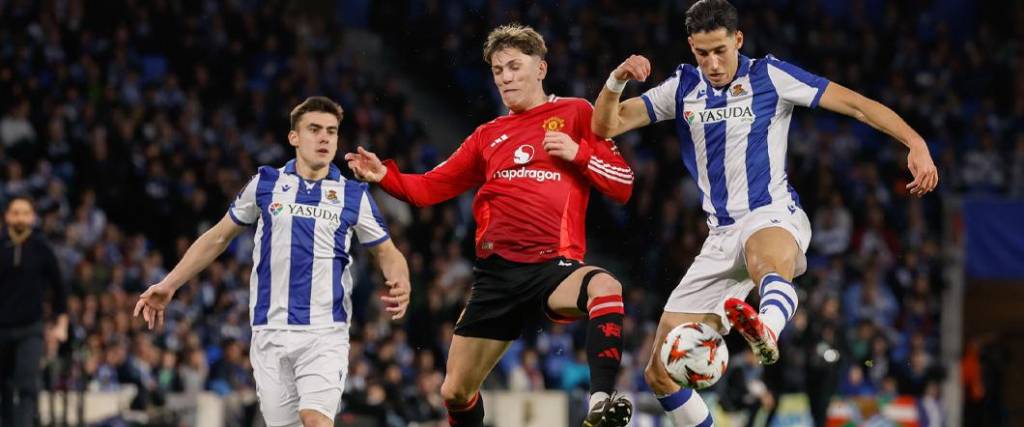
{"x": 554, "y": 124}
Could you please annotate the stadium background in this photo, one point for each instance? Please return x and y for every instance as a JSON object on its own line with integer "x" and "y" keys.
{"x": 133, "y": 123}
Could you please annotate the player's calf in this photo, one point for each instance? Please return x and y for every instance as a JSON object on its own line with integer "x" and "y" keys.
{"x": 605, "y": 311}
{"x": 683, "y": 405}
{"x": 601, "y": 298}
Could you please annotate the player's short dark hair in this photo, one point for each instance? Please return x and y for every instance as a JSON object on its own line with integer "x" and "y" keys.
{"x": 710, "y": 15}
{"x": 321, "y": 104}
{"x": 518, "y": 36}
{"x": 26, "y": 199}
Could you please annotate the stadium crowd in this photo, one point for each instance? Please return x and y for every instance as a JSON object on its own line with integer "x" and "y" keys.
{"x": 133, "y": 131}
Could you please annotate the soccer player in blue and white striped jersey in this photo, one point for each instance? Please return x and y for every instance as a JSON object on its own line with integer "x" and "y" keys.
{"x": 732, "y": 115}
{"x": 305, "y": 215}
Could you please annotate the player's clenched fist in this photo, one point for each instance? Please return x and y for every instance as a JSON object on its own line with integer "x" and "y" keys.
{"x": 366, "y": 166}
{"x": 636, "y": 67}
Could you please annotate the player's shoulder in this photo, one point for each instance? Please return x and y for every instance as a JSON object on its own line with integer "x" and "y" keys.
{"x": 571, "y": 102}
{"x": 349, "y": 182}
{"x": 768, "y": 59}
{"x": 684, "y": 74}
{"x": 265, "y": 172}
{"x": 268, "y": 170}
{"x": 687, "y": 70}
{"x": 485, "y": 127}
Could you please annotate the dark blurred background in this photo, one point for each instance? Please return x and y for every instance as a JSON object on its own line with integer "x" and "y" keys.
{"x": 133, "y": 123}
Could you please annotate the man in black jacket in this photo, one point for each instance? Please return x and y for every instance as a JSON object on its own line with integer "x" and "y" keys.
{"x": 28, "y": 269}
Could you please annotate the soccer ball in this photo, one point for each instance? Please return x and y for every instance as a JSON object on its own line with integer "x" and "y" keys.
{"x": 695, "y": 355}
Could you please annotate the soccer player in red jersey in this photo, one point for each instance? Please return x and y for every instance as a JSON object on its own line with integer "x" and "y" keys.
{"x": 535, "y": 168}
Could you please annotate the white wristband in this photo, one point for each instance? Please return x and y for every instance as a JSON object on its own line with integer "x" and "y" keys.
{"x": 615, "y": 85}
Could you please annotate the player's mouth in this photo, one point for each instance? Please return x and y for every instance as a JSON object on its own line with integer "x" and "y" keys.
{"x": 508, "y": 91}
{"x": 323, "y": 151}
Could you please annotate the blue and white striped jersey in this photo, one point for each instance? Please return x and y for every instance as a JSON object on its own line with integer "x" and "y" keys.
{"x": 300, "y": 276}
{"x": 734, "y": 138}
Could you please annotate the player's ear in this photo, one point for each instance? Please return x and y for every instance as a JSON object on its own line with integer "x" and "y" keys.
{"x": 739, "y": 39}
{"x": 293, "y": 138}
{"x": 692, "y": 49}
{"x": 542, "y": 69}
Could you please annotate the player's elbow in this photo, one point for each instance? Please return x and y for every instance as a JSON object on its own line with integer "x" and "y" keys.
{"x": 603, "y": 129}
{"x": 600, "y": 129}
{"x": 622, "y": 197}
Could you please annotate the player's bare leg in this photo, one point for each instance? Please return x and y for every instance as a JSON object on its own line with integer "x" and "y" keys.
{"x": 771, "y": 256}
{"x": 593, "y": 292}
{"x": 470, "y": 360}
{"x": 685, "y": 407}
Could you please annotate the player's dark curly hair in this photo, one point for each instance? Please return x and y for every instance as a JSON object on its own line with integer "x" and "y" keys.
{"x": 321, "y": 104}
{"x": 710, "y": 15}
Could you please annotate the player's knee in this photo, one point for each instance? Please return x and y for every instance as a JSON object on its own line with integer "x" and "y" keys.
{"x": 603, "y": 285}
{"x": 659, "y": 380}
{"x": 454, "y": 393}
{"x": 782, "y": 263}
{"x": 312, "y": 418}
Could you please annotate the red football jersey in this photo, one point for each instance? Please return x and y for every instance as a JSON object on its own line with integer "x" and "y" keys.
{"x": 530, "y": 207}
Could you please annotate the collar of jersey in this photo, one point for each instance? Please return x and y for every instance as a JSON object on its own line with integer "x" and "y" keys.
{"x": 742, "y": 70}
{"x": 333, "y": 173}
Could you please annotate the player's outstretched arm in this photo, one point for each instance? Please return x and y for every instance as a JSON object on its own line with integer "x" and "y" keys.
{"x": 454, "y": 176}
{"x": 396, "y": 277}
{"x": 845, "y": 101}
{"x": 612, "y": 118}
{"x": 203, "y": 251}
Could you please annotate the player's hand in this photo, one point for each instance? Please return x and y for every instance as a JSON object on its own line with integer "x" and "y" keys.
{"x": 366, "y": 166}
{"x": 560, "y": 145}
{"x": 397, "y": 297}
{"x": 59, "y": 331}
{"x": 152, "y": 304}
{"x": 635, "y": 67}
{"x": 926, "y": 177}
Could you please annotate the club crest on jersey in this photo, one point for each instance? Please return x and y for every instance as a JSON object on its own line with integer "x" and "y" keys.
{"x": 332, "y": 196}
{"x": 554, "y": 124}
{"x": 738, "y": 90}
{"x": 275, "y": 208}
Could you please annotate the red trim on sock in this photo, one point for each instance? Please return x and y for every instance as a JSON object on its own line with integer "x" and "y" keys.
{"x": 464, "y": 407}
{"x": 603, "y": 299}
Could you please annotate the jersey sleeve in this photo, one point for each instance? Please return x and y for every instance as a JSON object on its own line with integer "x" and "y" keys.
{"x": 243, "y": 209}
{"x": 370, "y": 226}
{"x": 600, "y": 162}
{"x": 463, "y": 170}
{"x": 794, "y": 85}
{"x": 661, "y": 99}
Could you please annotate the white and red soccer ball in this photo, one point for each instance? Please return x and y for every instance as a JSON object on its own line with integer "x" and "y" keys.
{"x": 695, "y": 355}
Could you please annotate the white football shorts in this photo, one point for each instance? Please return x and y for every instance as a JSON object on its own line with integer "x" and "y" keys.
{"x": 299, "y": 370}
{"x": 719, "y": 272}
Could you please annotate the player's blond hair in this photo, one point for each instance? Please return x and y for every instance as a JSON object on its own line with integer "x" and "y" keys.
{"x": 518, "y": 36}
